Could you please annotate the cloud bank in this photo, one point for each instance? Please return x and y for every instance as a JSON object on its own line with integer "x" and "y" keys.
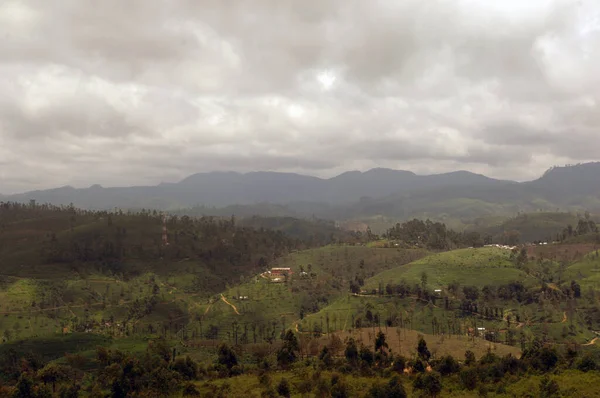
{"x": 139, "y": 92}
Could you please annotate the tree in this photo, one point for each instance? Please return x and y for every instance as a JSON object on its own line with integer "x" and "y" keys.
{"x": 287, "y": 354}
{"x": 471, "y": 292}
{"x": 587, "y": 364}
{"x": 339, "y": 389}
{"x": 226, "y": 356}
{"x": 549, "y": 388}
{"x": 160, "y": 347}
{"x": 447, "y": 365}
{"x": 423, "y": 280}
{"x": 430, "y": 383}
{"x": 422, "y": 350}
{"x": 187, "y": 368}
{"x": 53, "y": 373}
{"x": 366, "y": 356}
{"x": 24, "y": 387}
{"x": 325, "y": 357}
{"x": 469, "y": 358}
{"x": 576, "y": 289}
{"x": 351, "y": 352}
{"x": 380, "y": 342}
{"x": 393, "y": 389}
{"x": 468, "y": 378}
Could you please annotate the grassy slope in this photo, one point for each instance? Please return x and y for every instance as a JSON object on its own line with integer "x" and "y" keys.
{"x": 476, "y": 267}
{"x": 100, "y": 297}
{"x": 479, "y": 267}
{"x": 586, "y": 271}
{"x": 333, "y": 267}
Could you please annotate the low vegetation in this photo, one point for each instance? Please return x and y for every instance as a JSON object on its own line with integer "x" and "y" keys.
{"x": 98, "y": 304}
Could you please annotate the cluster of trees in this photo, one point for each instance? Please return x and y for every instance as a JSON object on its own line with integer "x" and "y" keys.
{"x": 159, "y": 371}
{"x": 314, "y": 232}
{"x": 120, "y": 242}
{"x": 434, "y": 235}
{"x": 584, "y": 226}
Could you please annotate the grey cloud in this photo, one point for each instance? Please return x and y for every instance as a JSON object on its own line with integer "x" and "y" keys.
{"x": 118, "y": 92}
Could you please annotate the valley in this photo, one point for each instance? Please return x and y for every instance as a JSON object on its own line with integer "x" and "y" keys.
{"x": 79, "y": 282}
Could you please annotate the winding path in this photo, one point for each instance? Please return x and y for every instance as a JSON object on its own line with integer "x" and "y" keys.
{"x": 592, "y": 342}
{"x": 229, "y": 304}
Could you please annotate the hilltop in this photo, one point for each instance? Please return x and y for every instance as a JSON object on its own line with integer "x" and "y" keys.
{"x": 457, "y": 197}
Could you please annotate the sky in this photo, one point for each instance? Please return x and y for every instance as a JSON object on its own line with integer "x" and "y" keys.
{"x": 139, "y": 92}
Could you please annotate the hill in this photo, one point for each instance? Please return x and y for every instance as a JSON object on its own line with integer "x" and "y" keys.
{"x": 496, "y": 294}
{"x": 476, "y": 267}
{"x": 455, "y": 198}
{"x": 318, "y": 277}
{"x": 50, "y": 242}
{"x": 223, "y": 189}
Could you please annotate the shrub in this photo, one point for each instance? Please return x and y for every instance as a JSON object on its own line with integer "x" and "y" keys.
{"x": 586, "y": 364}
{"x": 283, "y": 388}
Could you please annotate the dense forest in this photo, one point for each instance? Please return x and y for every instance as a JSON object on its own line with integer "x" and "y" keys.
{"x": 435, "y": 235}
{"x": 37, "y": 237}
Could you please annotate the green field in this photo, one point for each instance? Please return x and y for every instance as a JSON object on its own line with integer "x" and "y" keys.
{"x": 586, "y": 271}
{"x": 477, "y": 267}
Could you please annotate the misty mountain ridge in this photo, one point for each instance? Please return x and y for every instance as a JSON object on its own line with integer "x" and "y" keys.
{"x": 233, "y": 188}
{"x": 377, "y": 192}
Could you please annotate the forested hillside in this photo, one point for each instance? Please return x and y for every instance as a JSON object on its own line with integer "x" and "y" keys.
{"x": 50, "y": 241}
{"x": 532, "y": 227}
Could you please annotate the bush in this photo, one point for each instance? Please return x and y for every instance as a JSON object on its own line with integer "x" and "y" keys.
{"x": 264, "y": 379}
{"x": 430, "y": 383}
{"x": 236, "y": 370}
{"x": 586, "y": 364}
{"x": 468, "y": 378}
{"x": 469, "y": 358}
{"x": 447, "y": 366}
{"x": 339, "y": 388}
{"x": 549, "y": 388}
{"x": 190, "y": 390}
{"x": 283, "y": 388}
{"x": 399, "y": 364}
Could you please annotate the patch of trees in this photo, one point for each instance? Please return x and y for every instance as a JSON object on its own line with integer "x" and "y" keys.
{"x": 160, "y": 371}
{"x": 118, "y": 242}
{"x": 585, "y": 226}
{"x": 434, "y": 235}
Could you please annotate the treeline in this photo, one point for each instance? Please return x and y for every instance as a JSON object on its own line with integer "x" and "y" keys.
{"x": 434, "y": 235}
{"x": 162, "y": 371}
{"x": 467, "y": 306}
{"x": 315, "y": 232}
{"x": 585, "y": 226}
{"x": 120, "y": 242}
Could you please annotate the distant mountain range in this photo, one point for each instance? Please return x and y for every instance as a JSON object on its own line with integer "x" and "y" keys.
{"x": 396, "y": 194}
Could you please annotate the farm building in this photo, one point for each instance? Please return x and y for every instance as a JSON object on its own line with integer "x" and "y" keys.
{"x": 280, "y": 271}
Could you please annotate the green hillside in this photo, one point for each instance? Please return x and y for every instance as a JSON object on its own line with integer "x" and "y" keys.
{"x": 476, "y": 267}
{"x": 269, "y": 307}
{"x": 49, "y": 242}
{"x": 74, "y": 281}
{"x": 586, "y": 271}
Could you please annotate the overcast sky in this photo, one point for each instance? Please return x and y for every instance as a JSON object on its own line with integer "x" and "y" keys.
{"x": 142, "y": 91}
